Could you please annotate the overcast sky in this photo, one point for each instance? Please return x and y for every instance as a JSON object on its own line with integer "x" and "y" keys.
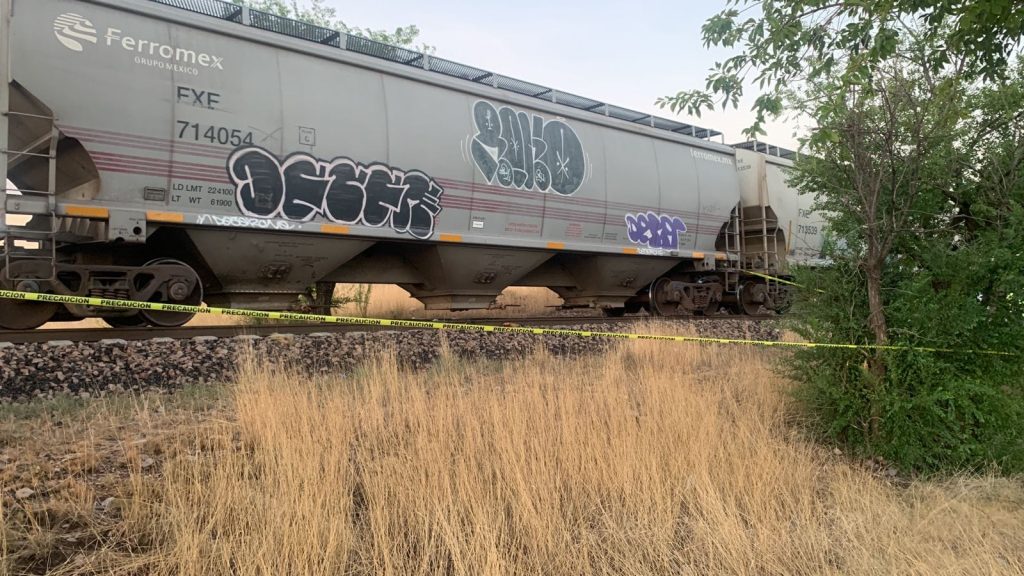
{"x": 623, "y": 53}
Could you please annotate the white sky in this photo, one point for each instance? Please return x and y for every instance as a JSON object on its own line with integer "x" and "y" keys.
{"x": 623, "y": 53}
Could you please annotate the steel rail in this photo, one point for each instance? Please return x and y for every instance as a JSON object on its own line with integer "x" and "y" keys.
{"x": 271, "y": 329}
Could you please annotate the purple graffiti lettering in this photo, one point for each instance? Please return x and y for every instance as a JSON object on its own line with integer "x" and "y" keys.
{"x": 341, "y": 190}
{"x": 654, "y": 230}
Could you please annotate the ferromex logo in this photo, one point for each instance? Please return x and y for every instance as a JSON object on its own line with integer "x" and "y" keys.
{"x": 72, "y": 30}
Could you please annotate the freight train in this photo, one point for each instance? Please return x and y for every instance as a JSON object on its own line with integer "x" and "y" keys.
{"x": 191, "y": 151}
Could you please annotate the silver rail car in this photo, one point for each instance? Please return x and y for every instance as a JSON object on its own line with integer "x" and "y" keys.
{"x": 194, "y": 151}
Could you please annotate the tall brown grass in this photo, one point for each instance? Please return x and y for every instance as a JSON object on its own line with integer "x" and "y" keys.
{"x": 653, "y": 459}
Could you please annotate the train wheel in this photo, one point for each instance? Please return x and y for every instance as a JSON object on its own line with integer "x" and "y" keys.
{"x": 659, "y": 304}
{"x": 752, "y": 296}
{"x": 173, "y": 319}
{"x": 20, "y": 314}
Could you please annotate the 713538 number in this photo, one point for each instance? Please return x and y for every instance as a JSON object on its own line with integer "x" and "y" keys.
{"x": 212, "y": 134}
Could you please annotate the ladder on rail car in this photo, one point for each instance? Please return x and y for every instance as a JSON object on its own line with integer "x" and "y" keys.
{"x": 762, "y": 246}
{"x": 734, "y": 248}
{"x": 28, "y": 219}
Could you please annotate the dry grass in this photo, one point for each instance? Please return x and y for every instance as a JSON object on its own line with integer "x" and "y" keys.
{"x": 75, "y": 454}
{"x": 655, "y": 459}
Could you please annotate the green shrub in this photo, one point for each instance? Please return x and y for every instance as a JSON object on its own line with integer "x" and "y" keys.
{"x": 933, "y": 410}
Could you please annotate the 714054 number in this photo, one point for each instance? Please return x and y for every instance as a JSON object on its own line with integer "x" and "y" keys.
{"x": 212, "y": 134}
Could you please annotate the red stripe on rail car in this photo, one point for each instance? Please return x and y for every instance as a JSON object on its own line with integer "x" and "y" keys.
{"x": 467, "y": 204}
{"x": 166, "y": 149}
{"x": 150, "y": 146}
{"x": 614, "y": 219}
{"x": 545, "y": 198}
{"x": 472, "y": 203}
{"x": 145, "y": 161}
{"x": 164, "y": 169}
{"x": 138, "y": 146}
{"x": 226, "y": 150}
{"x": 555, "y": 197}
{"x": 448, "y": 200}
{"x": 478, "y": 204}
{"x": 595, "y": 217}
{"x": 137, "y": 172}
{"x": 142, "y": 137}
{"x": 120, "y": 169}
{"x": 544, "y": 208}
{"x": 495, "y": 206}
{"x": 220, "y": 153}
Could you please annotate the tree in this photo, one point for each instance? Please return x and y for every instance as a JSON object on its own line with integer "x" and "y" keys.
{"x": 317, "y": 12}
{"x": 924, "y": 181}
{"x": 916, "y": 159}
{"x": 884, "y": 143}
{"x": 794, "y": 41}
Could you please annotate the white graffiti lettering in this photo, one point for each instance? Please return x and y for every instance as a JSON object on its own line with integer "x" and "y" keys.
{"x": 244, "y": 222}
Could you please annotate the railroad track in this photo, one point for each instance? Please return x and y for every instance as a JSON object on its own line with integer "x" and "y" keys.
{"x": 263, "y": 330}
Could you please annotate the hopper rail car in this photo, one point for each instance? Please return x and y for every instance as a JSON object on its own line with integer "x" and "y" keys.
{"x": 191, "y": 151}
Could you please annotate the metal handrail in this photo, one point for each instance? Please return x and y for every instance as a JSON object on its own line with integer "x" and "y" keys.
{"x": 27, "y": 115}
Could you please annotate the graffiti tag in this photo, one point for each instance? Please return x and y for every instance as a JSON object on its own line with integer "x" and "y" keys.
{"x": 526, "y": 152}
{"x": 341, "y": 190}
{"x": 654, "y": 230}
{"x": 243, "y": 222}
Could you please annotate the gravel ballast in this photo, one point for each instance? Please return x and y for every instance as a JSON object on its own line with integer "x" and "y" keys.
{"x": 99, "y": 368}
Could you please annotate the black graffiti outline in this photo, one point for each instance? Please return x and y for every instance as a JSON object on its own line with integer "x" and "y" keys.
{"x": 302, "y": 187}
{"x": 516, "y": 149}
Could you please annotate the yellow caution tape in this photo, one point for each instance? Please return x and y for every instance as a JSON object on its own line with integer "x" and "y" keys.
{"x": 779, "y": 280}
{"x": 355, "y": 320}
